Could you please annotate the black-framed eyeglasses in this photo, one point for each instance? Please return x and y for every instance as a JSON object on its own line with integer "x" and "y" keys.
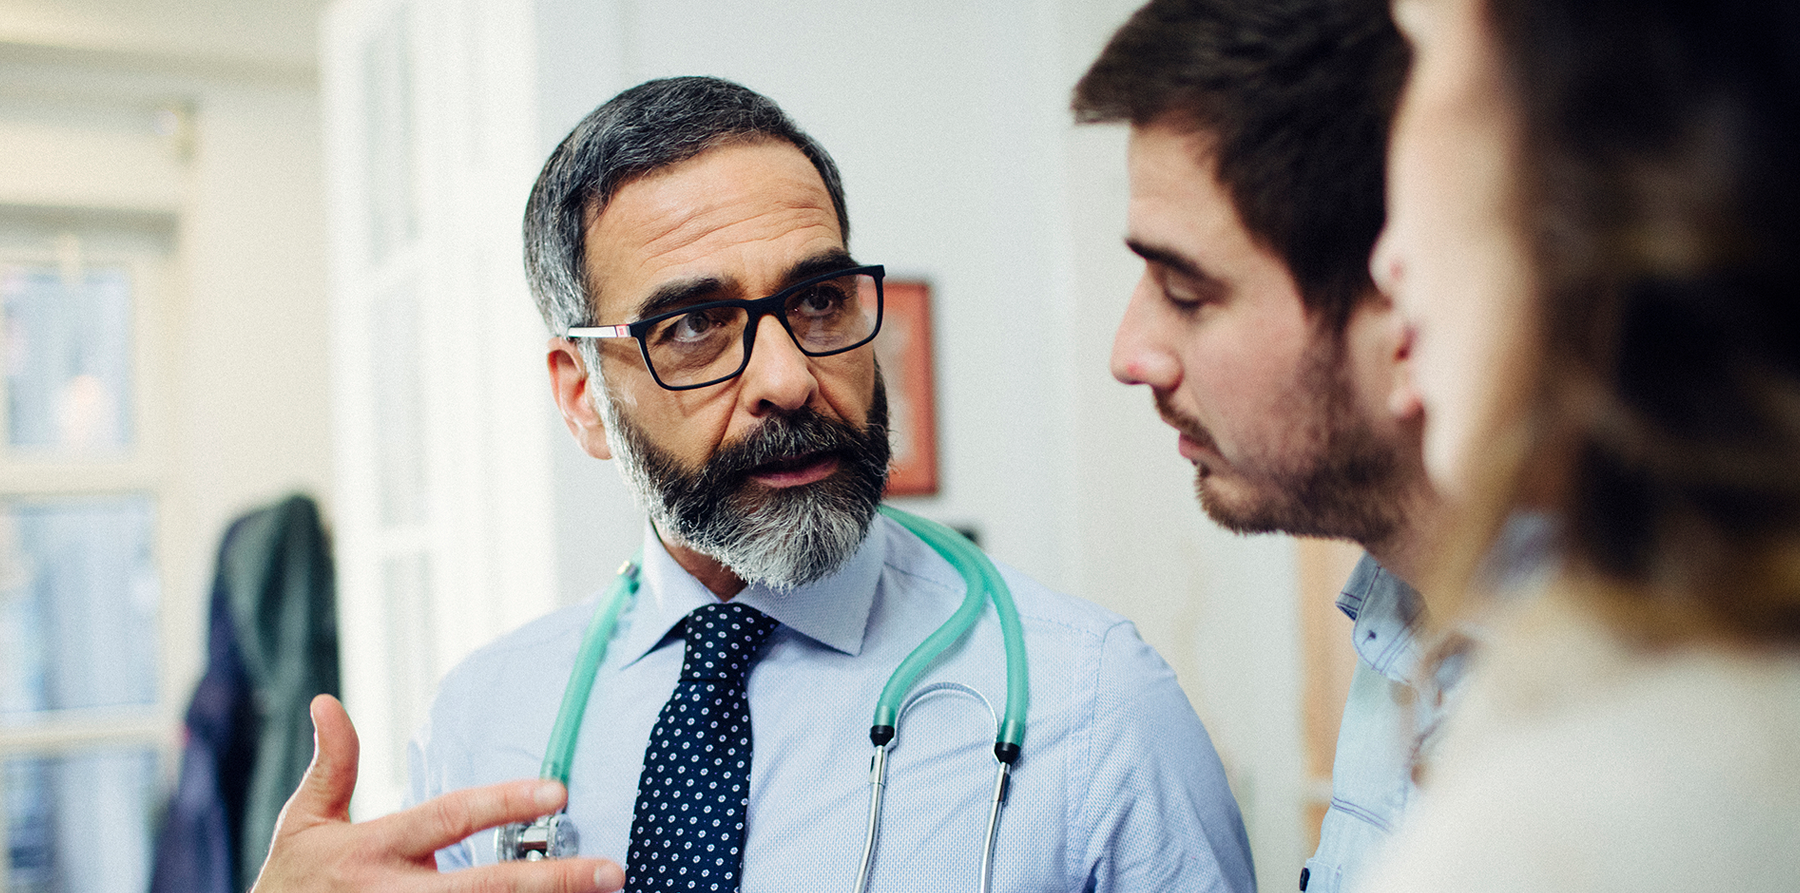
{"x": 705, "y": 344}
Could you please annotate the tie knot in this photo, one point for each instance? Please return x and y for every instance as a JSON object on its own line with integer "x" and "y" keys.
{"x": 722, "y": 640}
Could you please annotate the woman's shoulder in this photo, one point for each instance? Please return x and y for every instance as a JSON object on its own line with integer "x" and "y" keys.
{"x": 1578, "y": 759}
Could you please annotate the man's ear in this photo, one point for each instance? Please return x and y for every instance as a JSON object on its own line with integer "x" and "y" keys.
{"x": 573, "y": 389}
{"x": 1380, "y": 347}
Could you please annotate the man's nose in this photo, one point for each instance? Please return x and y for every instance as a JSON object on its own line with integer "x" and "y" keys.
{"x": 1138, "y": 354}
{"x": 779, "y": 378}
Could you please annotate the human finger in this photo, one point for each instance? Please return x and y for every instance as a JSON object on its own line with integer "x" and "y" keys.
{"x": 444, "y": 820}
{"x": 547, "y": 876}
{"x": 325, "y": 789}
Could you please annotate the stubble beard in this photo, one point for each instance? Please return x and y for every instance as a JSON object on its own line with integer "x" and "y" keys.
{"x": 1336, "y": 477}
{"x": 781, "y": 538}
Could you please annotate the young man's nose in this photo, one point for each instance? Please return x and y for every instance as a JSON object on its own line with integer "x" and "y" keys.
{"x": 1138, "y": 354}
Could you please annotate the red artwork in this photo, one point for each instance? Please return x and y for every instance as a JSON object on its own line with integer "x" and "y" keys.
{"x": 904, "y": 350}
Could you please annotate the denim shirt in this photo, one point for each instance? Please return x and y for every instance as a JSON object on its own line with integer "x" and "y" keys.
{"x": 1395, "y": 706}
{"x": 1386, "y": 714}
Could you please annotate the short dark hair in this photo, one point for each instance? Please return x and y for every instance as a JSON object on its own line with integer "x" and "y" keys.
{"x": 646, "y": 128}
{"x": 1660, "y": 191}
{"x": 1298, "y": 94}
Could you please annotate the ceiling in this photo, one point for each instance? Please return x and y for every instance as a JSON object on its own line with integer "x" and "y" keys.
{"x": 274, "y": 36}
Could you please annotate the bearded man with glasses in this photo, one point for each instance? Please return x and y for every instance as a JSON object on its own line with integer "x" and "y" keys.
{"x": 711, "y": 333}
{"x": 785, "y": 504}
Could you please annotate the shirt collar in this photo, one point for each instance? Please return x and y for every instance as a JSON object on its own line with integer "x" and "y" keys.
{"x": 833, "y": 611}
{"x": 1387, "y": 613}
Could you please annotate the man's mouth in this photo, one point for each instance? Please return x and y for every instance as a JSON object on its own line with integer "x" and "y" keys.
{"x": 1195, "y": 443}
{"x": 1194, "y": 449}
{"x": 796, "y": 471}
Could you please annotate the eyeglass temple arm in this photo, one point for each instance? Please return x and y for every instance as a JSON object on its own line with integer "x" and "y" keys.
{"x": 598, "y": 332}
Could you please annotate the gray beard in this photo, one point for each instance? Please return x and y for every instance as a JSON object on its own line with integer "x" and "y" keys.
{"x": 780, "y": 538}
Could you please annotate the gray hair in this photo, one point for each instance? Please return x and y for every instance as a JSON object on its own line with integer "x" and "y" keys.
{"x": 646, "y": 128}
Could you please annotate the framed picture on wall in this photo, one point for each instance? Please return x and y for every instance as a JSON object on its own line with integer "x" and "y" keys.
{"x": 904, "y": 349}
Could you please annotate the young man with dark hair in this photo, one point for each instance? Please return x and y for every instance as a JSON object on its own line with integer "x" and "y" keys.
{"x": 1258, "y": 134}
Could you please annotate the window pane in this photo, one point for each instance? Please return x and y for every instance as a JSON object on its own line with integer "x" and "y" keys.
{"x": 68, "y": 357}
{"x": 79, "y": 822}
{"x": 78, "y": 604}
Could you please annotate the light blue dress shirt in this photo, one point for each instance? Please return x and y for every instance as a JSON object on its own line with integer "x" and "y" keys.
{"x": 1118, "y": 787}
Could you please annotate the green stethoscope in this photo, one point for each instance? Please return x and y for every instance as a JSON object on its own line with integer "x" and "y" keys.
{"x": 554, "y": 836}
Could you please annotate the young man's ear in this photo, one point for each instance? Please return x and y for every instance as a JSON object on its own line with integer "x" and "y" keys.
{"x": 572, "y": 387}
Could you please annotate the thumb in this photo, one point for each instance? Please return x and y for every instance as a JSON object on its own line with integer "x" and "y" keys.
{"x": 324, "y": 792}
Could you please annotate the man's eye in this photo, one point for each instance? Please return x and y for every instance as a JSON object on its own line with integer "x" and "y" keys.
{"x": 1179, "y": 293}
{"x": 1184, "y": 293}
{"x": 819, "y": 300}
{"x": 1183, "y": 298}
{"x": 696, "y": 326}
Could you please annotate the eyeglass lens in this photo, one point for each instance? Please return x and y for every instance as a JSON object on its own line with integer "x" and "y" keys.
{"x": 702, "y": 345}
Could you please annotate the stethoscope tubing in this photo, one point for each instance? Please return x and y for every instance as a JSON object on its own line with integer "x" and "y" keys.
{"x": 561, "y": 751}
{"x": 984, "y": 583}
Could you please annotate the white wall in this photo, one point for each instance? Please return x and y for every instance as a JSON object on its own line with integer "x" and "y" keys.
{"x": 950, "y": 122}
{"x": 255, "y": 420}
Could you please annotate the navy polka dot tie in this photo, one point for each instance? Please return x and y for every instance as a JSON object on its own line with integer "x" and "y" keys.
{"x": 688, "y": 829}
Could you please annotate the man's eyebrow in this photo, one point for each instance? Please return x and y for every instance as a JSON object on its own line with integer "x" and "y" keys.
{"x": 681, "y": 293}
{"x": 701, "y": 289}
{"x": 1165, "y": 257}
{"x": 820, "y": 264}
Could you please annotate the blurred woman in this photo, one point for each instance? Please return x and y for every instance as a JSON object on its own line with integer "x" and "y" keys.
{"x": 1594, "y": 234}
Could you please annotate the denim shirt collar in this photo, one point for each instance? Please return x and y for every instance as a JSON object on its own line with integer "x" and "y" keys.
{"x": 1387, "y": 614}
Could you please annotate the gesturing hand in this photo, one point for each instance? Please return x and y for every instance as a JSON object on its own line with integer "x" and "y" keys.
{"x": 317, "y": 848}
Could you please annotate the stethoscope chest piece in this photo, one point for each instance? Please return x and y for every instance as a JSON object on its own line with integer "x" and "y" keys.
{"x": 547, "y": 837}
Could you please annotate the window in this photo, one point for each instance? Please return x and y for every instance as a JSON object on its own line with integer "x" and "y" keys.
{"x": 443, "y": 503}
{"x": 82, "y": 716}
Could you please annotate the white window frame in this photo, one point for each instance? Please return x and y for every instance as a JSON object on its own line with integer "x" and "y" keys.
{"x": 34, "y": 475}
{"x": 483, "y": 542}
